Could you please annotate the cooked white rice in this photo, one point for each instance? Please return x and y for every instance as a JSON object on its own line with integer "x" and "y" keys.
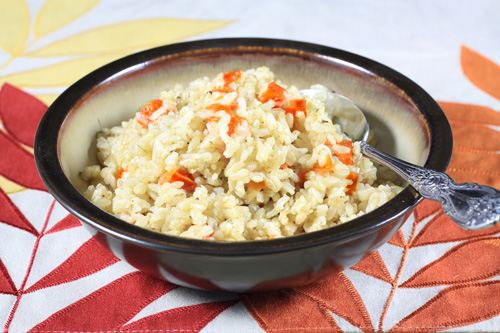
{"x": 243, "y": 169}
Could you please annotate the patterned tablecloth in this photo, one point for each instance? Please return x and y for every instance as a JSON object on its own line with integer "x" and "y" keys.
{"x": 431, "y": 276}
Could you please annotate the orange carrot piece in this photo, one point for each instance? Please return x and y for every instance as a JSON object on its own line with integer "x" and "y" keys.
{"x": 302, "y": 177}
{"x": 235, "y": 121}
{"x": 143, "y": 116}
{"x": 120, "y": 173}
{"x": 274, "y": 92}
{"x": 208, "y": 236}
{"x": 224, "y": 89}
{"x": 296, "y": 105}
{"x": 231, "y": 77}
{"x": 328, "y": 167}
{"x": 353, "y": 176}
{"x": 345, "y": 158}
{"x": 178, "y": 175}
{"x": 257, "y": 186}
{"x": 220, "y": 107}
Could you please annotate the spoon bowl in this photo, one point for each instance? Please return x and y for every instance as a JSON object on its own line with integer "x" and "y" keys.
{"x": 471, "y": 206}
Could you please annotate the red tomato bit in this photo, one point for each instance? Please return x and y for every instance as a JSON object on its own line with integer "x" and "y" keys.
{"x": 178, "y": 175}
{"x": 231, "y": 77}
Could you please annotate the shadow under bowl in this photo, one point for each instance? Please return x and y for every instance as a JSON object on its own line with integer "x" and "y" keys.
{"x": 407, "y": 121}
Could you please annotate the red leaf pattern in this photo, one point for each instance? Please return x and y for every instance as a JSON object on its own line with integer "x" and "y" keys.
{"x": 67, "y": 223}
{"x": 190, "y": 318}
{"x": 88, "y": 315}
{"x": 11, "y": 215}
{"x": 18, "y": 165}
{"x": 20, "y": 113}
{"x": 6, "y": 284}
{"x": 91, "y": 257}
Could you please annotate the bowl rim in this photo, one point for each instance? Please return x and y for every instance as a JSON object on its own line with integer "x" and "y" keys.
{"x": 47, "y": 137}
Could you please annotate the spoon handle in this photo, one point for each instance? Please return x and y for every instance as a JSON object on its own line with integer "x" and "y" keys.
{"x": 470, "y": 205}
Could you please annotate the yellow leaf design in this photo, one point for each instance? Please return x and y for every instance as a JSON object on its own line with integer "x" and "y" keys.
{"x": 57, "y": 13}
{"x": 47, "y": 99}
{"x": 14, "y": 25}
{"x": 10, "y": 187}
{"x": 128, "y": 36}
{"x": 59, "y": 75}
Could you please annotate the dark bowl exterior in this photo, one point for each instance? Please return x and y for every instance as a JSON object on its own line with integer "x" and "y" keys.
{"x": 255, "y": 265}
{"x": 251, "y": 273}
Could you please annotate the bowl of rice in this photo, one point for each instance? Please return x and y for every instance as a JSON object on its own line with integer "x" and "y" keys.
{"x": 205, "y": 164}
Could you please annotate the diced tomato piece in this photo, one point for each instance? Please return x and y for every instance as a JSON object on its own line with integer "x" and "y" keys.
{"x": 296, "y": 105}
{"x": 353, "y": 176}
{"x": 178, "y": 175}
{"x": 257, "y": 186}
{"x": 231, "y": 77}
{"x": 143, "y": 116}
{"x": 274, "y": 92}
{"x": 284, "y": 166}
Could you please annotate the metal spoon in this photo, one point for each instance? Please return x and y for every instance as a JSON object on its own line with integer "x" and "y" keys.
{"x": 469, "y": 205}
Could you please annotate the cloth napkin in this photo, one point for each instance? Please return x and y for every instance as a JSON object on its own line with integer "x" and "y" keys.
{"x": 55, "y": 277}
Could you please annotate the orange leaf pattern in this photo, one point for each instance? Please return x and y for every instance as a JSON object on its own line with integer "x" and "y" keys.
{"x": 455, "y": 306}
{"x": 481, "y": 71}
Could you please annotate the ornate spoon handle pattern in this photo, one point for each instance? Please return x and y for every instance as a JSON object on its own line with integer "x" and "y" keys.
{"x": 470, "y": 205}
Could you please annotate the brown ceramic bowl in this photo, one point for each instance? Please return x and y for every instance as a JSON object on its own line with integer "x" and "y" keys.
{"x": 409, "y": 123}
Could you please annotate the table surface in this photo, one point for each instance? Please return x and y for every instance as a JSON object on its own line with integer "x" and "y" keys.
{"x": 431, "y": 276}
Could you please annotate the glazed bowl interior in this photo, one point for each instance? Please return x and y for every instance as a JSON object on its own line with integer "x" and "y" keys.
{"x": 406, "y": 121}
